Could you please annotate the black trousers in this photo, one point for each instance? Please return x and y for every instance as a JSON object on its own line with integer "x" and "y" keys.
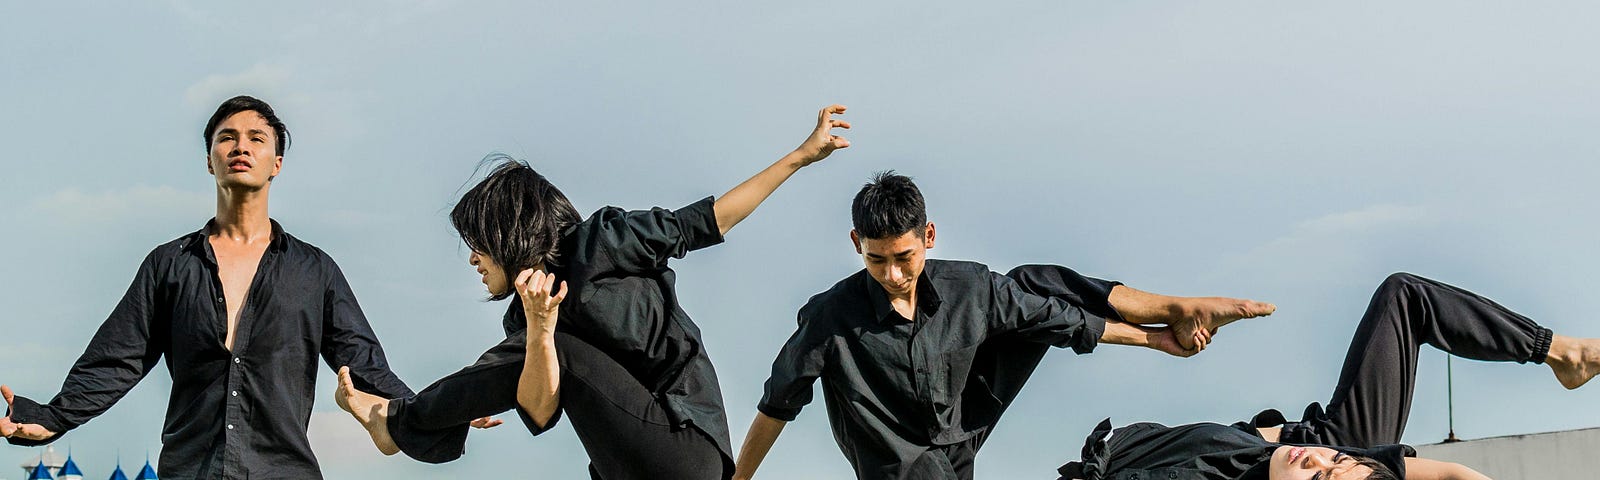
{"x": 624, "y": 430}
{"x": 1373, "y": 399}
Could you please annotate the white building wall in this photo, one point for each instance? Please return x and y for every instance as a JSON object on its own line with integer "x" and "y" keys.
{"x": 1573, "y": 454}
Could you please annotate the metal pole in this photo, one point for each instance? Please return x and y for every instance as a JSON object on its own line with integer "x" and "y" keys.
{"x": 1450, "y": 397}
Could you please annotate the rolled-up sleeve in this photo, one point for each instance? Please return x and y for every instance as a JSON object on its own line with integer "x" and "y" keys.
{"x": 122, "y": 351}
{"x": 796, "y": 369}
{"x": 1052, "y": 305}
{"x": 639, "y": 241}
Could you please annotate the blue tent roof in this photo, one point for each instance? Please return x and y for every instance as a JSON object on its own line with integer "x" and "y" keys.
{"x": 117, "y": 474}
{"x": 40, "y": 473}
{"x": 70, "y": 468}
{"x": 147, "y": 473}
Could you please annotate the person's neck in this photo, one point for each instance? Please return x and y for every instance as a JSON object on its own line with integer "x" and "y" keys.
{"x": 242, "y": 215}
{"x": 905, "y": 304}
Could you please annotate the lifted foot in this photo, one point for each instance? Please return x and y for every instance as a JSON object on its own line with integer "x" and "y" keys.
{"x": 371, "y": 410}
{"x": 1201, "y": 317}
{"x": 1574, "y": 360}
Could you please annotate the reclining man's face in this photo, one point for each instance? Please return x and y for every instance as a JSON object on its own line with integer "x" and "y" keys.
{"x": 244, "y": 151}
{"x": 895, "y": 262}
{"x": 1314, "y": 463}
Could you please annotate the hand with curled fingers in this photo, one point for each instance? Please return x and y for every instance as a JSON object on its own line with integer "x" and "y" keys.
{"x": 822, "y": 141}
{"x": 26, "y": 431}
{"x": 535, "y": 287}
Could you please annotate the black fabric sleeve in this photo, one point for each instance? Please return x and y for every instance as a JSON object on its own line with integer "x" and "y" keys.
{"x": 348, "y": 340}
{"x": 641, "y": 241}
{"x": 121, "y": 353}
{"x": 1044, "y": 318}
{"x": 797, "y": 367}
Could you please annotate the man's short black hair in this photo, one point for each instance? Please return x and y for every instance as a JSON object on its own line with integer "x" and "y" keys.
{"x": 246, "y": 103}
{"x": 514, "y": 216}
{"x": 888, "y": 206}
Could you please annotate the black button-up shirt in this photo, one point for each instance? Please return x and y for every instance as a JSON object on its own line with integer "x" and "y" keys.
{"x": 232, "y": 414}
{"x": 622, "y": 300}
{"x": 895, "y": 387}
{"x": 1198, "y": 451}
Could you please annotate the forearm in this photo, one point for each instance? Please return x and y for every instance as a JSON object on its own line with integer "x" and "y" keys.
{"x": 734, "y": 206}
{"x": 1125, "y": 333}
{"x": 758, "y": 441}
{"x": 539, "y": 386}
{"x": 1425, "y": 469}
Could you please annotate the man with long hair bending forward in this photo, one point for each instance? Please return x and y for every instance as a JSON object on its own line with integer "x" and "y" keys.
{"x": 624, "y": 361}
{"x": 1357, "y": 437}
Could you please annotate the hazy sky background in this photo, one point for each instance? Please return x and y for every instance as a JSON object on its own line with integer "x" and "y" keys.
{"x": 1285, "y": 152}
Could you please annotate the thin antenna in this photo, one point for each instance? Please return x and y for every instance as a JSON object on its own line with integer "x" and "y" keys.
{"x": 1450, "y": 397}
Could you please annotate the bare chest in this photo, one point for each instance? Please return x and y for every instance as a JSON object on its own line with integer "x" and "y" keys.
{"x": 236, "y": 270}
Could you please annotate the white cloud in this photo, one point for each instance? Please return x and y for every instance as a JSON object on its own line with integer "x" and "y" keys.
{"x": 74, "y": 206}
{"x": 261, "y": 80}
{"x": 340, "y": 442}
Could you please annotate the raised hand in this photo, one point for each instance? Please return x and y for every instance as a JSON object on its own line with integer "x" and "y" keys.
{"x": 822, "y": 141}
{"x": 26, "y": 431}
{"x": 535, "y": 288}
{"x": 1166, "y": 341}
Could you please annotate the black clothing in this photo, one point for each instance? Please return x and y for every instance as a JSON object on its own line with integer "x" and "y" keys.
{"x": 624, "y": 429}
{"x": 898, "y": 390}
{"x": 1199, "y": 451}
{"x": 231, "y": 414}
{"x": 622, "y": 302}
{"x": 1373, "y": 399}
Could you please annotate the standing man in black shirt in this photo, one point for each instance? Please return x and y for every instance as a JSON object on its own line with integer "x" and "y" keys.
{"x": 919, "y": 358}
{"x": 241, "y": 310}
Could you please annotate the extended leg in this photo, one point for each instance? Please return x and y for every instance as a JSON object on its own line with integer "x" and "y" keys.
{"x": 1373, "y": 399}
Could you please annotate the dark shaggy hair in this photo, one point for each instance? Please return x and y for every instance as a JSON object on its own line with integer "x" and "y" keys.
{"x": 888, "y": 206}
{"x": 1379, "y": 470}
{"x": 246, "y": 103}
{"x": 514, "y": 216}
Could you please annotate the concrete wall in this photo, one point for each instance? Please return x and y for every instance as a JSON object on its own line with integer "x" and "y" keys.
{"x": 1573, "y": 454}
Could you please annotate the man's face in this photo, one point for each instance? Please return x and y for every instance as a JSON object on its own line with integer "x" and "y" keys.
{"x": 895, "y": 262}
{"x": 494, "y": 276}
{"x": 244, "y": 151}
{"x": 1314, "y": 463}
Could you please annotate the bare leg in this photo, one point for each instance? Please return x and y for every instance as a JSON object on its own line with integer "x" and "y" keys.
{"x": 371, "y": 410}
{"x": 1193, "y": 319}
{"x": 1574, "y": 360}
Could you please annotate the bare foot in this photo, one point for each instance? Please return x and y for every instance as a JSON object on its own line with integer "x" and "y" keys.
{"x": 371, "y": 410}
{"x": 1201, "y": 317}
{"x": 1574, "y": 360}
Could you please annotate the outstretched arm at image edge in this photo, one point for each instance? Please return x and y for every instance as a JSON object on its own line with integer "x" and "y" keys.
{"x": 758, "y": 441}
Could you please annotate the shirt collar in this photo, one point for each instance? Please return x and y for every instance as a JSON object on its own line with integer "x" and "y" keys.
{"x": 927, "y": 295}
{"x": 198, "y": 242}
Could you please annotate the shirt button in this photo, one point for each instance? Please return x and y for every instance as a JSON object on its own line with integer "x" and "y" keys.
{"x": 230, "y": 426}
{"x": 235, "y": 359}
{"x": 235, "y": 393}
{"x": 219, "y": 299}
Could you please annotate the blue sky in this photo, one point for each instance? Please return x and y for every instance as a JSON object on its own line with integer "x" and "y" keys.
{"x": 1284, "y": 152}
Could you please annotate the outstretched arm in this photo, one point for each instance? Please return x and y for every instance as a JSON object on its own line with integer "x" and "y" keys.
{"x": 737, "y": 204}
{"x": 758, "y": 441}
{"x": 1159, "y": 339}
{"x": 24, "y": 431}
{"x": 539, "y": 387}
{"x": 1425, "y": 469}
{"x": 1193, "y": 319}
